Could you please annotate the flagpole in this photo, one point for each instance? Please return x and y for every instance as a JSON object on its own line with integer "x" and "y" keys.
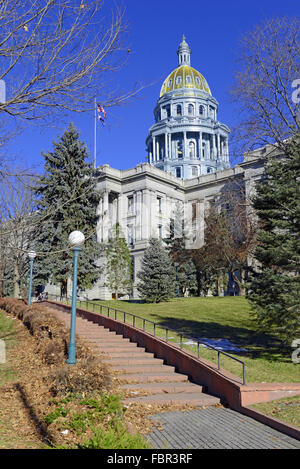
{"x": 95, "y": 133}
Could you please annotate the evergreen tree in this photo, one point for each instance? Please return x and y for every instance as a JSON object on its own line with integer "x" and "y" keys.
{"x": 176, "y": 245}
{"x": 157, "y": 274}
{"x": 118, "y": 263}
{"x": 67, "y": 201}
{"x": 274, "y": 290}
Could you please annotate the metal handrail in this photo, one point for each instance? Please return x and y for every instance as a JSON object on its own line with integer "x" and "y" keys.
{"x": 167, "y": 329}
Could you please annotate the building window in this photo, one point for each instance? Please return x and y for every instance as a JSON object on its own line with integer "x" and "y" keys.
{"x": 194, "y": 212}
{"x": 179, "y": 149}
{"x": 130, "y": 203}
{"x": 188, "y": 79}
{"x": 190, "y": 110}
{"x": 130, "y": 235}
{"x": 158, "y": 201}
{"x": 192, "y": 150}
{"x": 197, "y": 81}
{"x": 170, "y": 82}
{"x": 160, "y": 231}
{"x": 201, "y": 110}
{"x": 178, "y": 80}
{"x": 178, "y": 110}
{"x": 178, "y": 172}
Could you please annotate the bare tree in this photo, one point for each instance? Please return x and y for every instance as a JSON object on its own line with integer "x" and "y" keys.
{"x": 268, "y": 72}
{"x": 56, "y": 54}
{"x": 229, "y": 239}
{"x": 16, "y": 207}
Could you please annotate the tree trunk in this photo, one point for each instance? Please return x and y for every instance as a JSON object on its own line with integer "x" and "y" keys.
{"x": 64, "y": 288}
{"x": 2, "y": 269}
{"x": 16, "y": 281}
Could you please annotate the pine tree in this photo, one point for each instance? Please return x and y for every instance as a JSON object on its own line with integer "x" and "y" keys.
{"x": 274, "y": 289}
{"x": 67, "y": 201}
{"x": 118, "y": 263}
{"x": 176, "y": 245}
{"x": 157, "y": 274}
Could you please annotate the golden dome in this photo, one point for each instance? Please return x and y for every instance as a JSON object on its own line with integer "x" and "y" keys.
{"x": 184, "y": 76}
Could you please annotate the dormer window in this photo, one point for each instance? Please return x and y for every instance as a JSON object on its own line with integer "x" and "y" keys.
{"x": 198, "y": 81}
{"x": 178, "y": 80}
{"x": 170, "y": 82}
{"x": 188, "y": 79}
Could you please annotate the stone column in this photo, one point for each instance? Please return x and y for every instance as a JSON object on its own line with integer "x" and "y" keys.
{"x": 219, "y": 148}
{"x": 200, "y": 145}
{"x": 139, "y": 215}
{"x": 166, "y": 146}
{"x": 184, "y": 145}
{"x": 146, "y": 206}
{"x": 154, "y": 148}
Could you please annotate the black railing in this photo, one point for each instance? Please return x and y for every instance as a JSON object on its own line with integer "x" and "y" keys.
{"x": 113, "y": 313}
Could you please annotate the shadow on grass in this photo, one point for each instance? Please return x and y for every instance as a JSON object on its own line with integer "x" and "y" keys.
{"x": 258, "y": 345}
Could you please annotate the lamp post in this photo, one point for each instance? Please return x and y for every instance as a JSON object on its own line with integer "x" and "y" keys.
{"x": 177, "y": 290}
{"x": 31, "y": 255}
{"x": 76, "y": 239}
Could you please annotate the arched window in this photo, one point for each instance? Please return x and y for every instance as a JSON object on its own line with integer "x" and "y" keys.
{"x": 190, "y": 109}
{"x": 179, "y": 149}
{"x": 178, "y": 80}
{"x": 192, "y": 150}
{"x": 178, "y": 110}
{"x": 188, "y": 79}
{"x": 201, "y": 110}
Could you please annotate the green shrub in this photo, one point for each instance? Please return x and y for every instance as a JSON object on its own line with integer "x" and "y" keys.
{"x": 115, "y": 437}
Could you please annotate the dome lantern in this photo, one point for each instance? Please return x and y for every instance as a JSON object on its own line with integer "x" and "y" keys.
{"x": 184, "y": 53}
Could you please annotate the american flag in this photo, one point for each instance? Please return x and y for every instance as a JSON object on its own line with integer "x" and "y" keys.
{"x": 101, "y": 110}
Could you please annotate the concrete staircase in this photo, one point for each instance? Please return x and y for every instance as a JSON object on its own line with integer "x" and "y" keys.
{"x": 138, "y": 369}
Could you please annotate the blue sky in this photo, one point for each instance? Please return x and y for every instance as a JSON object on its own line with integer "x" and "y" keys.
{"x": 212, "y": 30}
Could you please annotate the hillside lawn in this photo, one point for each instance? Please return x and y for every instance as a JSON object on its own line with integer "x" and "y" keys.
{"x": 266, "y": 359}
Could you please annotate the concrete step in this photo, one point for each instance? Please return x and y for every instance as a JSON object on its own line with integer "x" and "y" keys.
{"x": 164, "y": 388}
{"x": 106, "y": 341}
{"x": 143, "y": 368}
{"x": 123, "y": 348}
{"x": 158, "y": 376}
{"x": 133, "y": 361}
{"x": 200, "y": 399}
{"x": 129, "y": 353}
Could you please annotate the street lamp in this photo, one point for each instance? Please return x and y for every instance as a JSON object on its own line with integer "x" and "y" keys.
{"x": 76, "y": 239}
{"x": 176, "y": 267}
{"x": 31, "y": 255}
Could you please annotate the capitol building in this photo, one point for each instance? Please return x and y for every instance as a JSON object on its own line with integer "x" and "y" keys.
{"x": 187, "y": 169}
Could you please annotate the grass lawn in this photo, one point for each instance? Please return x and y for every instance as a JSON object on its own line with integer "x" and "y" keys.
{"x": 286, "y": 409}
{"x": 8, "y": 335}
{"x": 215, "y": 318}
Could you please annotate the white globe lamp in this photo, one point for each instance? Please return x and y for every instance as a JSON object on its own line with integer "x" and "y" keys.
{"x": 76, "y": 238}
